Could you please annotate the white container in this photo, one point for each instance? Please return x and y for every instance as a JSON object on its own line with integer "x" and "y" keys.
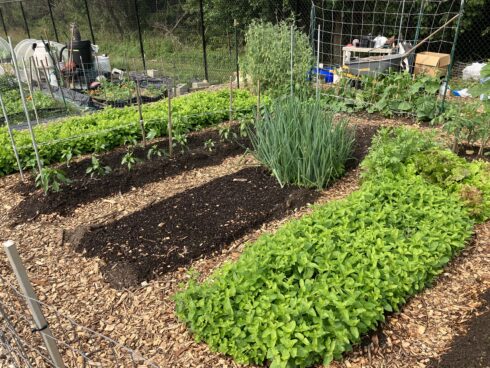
{"x": 103, "y": 64}
{"x": 42, "y": 57}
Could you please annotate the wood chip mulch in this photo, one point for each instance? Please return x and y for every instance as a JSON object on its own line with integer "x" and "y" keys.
{"x": 143, "y": 318}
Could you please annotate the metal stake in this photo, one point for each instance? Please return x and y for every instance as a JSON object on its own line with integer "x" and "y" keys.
{"x": 318, "y": 65}
{"x": 169, "y": 126}
{"x": 31, "y": 91}
{"x": 12, "y": 140}
{"x": 24, "y": 105}
{"x": 31, "y": 300}
{"x": 292, "y": 60}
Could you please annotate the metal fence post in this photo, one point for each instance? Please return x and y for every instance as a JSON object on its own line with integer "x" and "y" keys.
{"x": 34, "y": 307}
{"x": 204, "y": 43}
{"x": 25, "y": 19}
{"x": 3, "y": 23}
{"x": 87, "y": 10}
{"x": 140, "y": 35}
{"x": 52, "y": 20}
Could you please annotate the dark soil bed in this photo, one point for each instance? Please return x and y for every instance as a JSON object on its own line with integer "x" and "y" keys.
{"x": 473, "y": 349}
{"x": 471, "y": 153}
{"x": 84, "y": 189}
{"x": 198, "y": 222}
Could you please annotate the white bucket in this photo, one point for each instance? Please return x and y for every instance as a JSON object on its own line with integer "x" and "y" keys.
{"x": 103, "y": 64}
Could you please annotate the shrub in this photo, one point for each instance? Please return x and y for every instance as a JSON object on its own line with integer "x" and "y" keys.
{"x": 307, "y": 293}
{"x": 113, "y": 127}
{"x": 301, "y": 144}
{"x": 268, "y": 57}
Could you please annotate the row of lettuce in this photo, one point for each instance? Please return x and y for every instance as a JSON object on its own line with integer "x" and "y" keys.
{"x": 111, "y": 127}
{"x": 307, "y": 293}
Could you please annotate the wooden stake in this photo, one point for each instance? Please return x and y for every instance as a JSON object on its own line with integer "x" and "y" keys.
{"x": 140, "y": 110}
{"x": 258, "y": 101}
{"x": 169, "y": 127}
{"x": 231, "y": 99}
{"x": 47, "y": 79}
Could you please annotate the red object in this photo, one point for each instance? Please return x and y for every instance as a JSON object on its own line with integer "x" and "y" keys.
{"x": 70, "y": 66}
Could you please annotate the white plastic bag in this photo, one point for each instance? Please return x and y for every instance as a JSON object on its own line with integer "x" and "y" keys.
{"x": 472, "y": 72}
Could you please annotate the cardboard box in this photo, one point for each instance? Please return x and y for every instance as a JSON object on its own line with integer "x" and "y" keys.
{"x": 432, "y": 63}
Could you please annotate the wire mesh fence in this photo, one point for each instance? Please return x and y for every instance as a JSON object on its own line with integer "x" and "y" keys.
{"x": 25, "y": 343}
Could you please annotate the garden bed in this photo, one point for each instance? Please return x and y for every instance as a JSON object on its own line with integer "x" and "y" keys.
{"x": 195, "y": 223}
{"x": 84, "y": 189}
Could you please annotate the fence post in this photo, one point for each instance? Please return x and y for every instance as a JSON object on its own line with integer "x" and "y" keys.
{"x": 3, "y": 23}
{"x": 87, "y": 10}
{"x": 25, "y": 19}
{"x": 204, "y": 43}
{"x": 52, "y": 20}
{"x": 12, "y": 140}
{"x": 24, "y": 105}
{"x": 34, "y": 307}
{"x": 142, "y": 47}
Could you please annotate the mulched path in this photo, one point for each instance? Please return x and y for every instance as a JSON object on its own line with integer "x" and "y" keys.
{"x": 143, "y": 318}
{"x": 471, "y": 350}
{"x": 195, "y": 223}
{"x": 84, "y": 189}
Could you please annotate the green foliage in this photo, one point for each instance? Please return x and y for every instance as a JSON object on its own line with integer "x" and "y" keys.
{"x": 110, "y": 128}
{"x": 307, "y": 293}
{"x": 209, "y": 145}
{"x": 392, "y": 149}
{"x": 471, "y": 181}
{"x": 50, "y": 180}
{"x": 154, "y": 151}
{"x": 268, "y": 54}
{"x": 467, "y": 122}
{"x": 68, "y": 154}
{"x": 96, "y": 168}
{"x": 129, "y": 160}
{"x": 301, "y": 144}
{"x": 389, "y": 95}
